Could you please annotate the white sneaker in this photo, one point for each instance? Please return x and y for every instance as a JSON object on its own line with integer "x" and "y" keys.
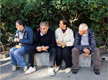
{"x": 56, "y": 69}
{"x": 14, "y": 68}
{"x": 51, "y": 72}
{"x": 30, "y": 70}
{"x": 67, "y": 70}
{"x": 25, "y": 68}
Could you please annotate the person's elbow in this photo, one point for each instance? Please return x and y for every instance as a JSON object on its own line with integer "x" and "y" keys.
{"x": 31, "y": 42}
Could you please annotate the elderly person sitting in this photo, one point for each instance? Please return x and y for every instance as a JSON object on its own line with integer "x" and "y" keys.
{"x": 64, "y": 40}
{"x": 85, "y": 43}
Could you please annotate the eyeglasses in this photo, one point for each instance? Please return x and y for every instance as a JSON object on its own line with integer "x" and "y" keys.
{"x": 61, "y": 24}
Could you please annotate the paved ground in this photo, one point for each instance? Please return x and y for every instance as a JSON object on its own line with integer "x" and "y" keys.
{"x": 42, "y": 74}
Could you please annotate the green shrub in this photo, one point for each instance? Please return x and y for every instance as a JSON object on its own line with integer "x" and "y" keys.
{"x": 92, "y": 12}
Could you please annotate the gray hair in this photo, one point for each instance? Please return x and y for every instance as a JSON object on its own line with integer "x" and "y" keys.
{"x": 44, "y": 23}
{"x": 83, "y": 26}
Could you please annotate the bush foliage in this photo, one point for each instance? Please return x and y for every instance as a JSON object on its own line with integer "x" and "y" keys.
{"x": 92, "y": 12}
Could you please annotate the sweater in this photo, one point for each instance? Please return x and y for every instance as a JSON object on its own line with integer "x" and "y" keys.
{"x": 47, "y": 39}
{"x": 66, "y": 37}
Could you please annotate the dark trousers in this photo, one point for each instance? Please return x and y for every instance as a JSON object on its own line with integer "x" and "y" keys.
{"x": 64, "y": 54}
{"x": 95, "y": 54}
{"x": 52, "y": 55}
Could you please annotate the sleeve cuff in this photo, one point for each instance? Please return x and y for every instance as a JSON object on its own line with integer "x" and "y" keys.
{"x": 90, "y": 48}
{"x": 20, "y": 40}
{"x": 82, "y": 49}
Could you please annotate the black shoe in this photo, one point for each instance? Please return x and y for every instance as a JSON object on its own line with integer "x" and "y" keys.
{"x": 96, "y": 71}
{"x": 74, "y": 71}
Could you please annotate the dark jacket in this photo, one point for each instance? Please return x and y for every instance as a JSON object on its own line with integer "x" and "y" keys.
{"x": 46, "y": 40}
{"x": 27, "y": 37}
{"x": 91, "y": 38}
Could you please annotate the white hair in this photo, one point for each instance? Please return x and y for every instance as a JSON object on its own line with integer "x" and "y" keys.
{"x": 83, "y": 26}
{"x": 44, "y": 23}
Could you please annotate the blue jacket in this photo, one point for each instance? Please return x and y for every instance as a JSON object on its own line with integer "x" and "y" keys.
{"x": 91, "y": 38}
{"x": 27, "y": 37}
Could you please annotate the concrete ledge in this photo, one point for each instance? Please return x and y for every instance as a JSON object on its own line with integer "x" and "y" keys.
{"x": 104, "y": 56}
{"x": 41, "y": 59}
{"x": 84, "y": 62}
{"x": 2, "y": 56}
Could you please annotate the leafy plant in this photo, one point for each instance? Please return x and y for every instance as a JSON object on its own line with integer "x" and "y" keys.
{"x": 92, "y": 12}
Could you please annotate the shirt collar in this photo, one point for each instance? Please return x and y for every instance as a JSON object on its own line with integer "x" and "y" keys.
{"x": 44, "y": 34}
{"x": 22, "y": 30}
{"x": 85, "y": 34}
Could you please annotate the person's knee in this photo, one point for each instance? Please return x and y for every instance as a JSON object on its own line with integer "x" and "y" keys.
{"x": 53, "y": 50}
{"x": 68, "y": 54}
{"x": 97, "y": 51}
{"x": 74, "y": 50}
{"x": 11, "y": 50}
{"x": 16, "y": 52}
{"x": 58, "y": 50}
{"x": 65, "y": 50}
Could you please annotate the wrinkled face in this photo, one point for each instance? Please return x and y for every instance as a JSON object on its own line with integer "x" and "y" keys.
{"x": 43, "y": 29}
{"x": 61, "y": 25}
{"x": 82, "y": 32}
{"x": 19, "y": 27}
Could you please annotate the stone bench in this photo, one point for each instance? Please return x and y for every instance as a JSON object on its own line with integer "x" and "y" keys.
{"x": 104, "y": 56}
{"x": 41, "y": 59}
{"x": 84, "y": 62}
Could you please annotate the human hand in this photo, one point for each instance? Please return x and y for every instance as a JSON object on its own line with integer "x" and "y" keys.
{"x": 63, "y": 44}
{"x": 44, "y": 48}
{"x": 16, "y": 39}
{"x": 39, "y": 48}
{"x": 85, "y": 55}
{"x": 57, "y": 41}
{"x": 86, "y": 50}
